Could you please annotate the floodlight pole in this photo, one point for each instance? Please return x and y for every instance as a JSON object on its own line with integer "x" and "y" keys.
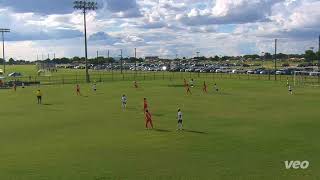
{"x": 4, "y": 61}
{"x": 121, "y": 61}
{"x": 86, "y": 44}
{"x": 319, "y": 62}
{"x": 275, "y": 59}
{"x": 135, "y": 61}
{"x": 3, "y": 55}
{"x": 85, "y": 6}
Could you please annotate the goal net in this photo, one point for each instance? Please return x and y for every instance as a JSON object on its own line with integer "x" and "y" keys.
{"x": 306, "y": 78}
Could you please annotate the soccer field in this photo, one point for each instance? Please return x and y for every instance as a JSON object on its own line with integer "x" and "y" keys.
{"x": 246, "y": 131}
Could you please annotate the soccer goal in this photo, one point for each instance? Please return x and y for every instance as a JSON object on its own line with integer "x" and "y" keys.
{"x": 306, "y": 78}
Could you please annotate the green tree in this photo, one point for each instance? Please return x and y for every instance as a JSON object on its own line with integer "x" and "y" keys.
{"x": 11, "y": 61}
{"x": 267, "y": 56}
{"x": 310, "y": 56}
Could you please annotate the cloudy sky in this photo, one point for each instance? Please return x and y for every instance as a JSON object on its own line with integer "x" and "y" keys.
{"x": 160, "y": 27}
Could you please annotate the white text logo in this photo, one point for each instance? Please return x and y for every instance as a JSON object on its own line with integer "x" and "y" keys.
{"x": 296, "y": 164}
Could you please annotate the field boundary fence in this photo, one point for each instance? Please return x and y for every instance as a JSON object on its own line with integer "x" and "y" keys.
{"x": 106, "y": 76}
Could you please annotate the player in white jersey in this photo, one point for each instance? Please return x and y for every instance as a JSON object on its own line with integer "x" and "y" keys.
{"x": 290, "y": 90}
{"x": 216, "y": 88}
{"x": 94, "y": 87}
{"x": 192, "y": 83}
{"x": 288, "y": 82}
{"x": 124, "y": 102}
{"x": 179, "y": 120}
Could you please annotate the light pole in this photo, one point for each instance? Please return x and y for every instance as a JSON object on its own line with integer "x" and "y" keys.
{"x": 135, "y": 61}
{"x": 264, "y": 58}
{"x": 198, "y": 55}
{"x": 312, "y": 48}
{"x": 275, "y": 59}
{"x": 121, "y": 63}
{"x": 319, "y": 62}
{"x": 85, "y": 6}
{"x": 319, "y": 56}
{"x": 3, "y": 56}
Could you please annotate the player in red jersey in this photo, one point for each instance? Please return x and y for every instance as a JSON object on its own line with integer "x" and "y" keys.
{"x": 188, "y": 89}
{"x": 14, "y": 86}
{"x": 148, "y": 119}
{"x": 145, "y": 104}
{"x": 204, "y": 87}
{"x": 135, "y": 84}
{"x": 78, "y": 90}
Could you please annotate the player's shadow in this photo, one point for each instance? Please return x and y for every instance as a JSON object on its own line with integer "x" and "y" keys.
{"x": 176, "y": 85}
{"x": 47, "y": 104}
{"x": 161, "y": 130}
{"x": 223, "y": 93}
{"x": 196, "y": 132}
{"x": 132, "y": 108}
{"x": 158, "y": 114}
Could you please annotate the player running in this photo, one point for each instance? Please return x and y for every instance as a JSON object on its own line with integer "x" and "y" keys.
{"x": 39, "y": 96}
{"x": 124, "y": 102}
{"x": 188, "y": 89}
{"x": 215, "y": 87}
{"x": 185, "y": 83}
{"x": 145, "y": 105}
{"x": 148, "y": 119}
{"x": 290, "y": 90}
{"x": 204, "y": 87}
{"x": 179, "y": 120}
{"x": 78, "y": 90}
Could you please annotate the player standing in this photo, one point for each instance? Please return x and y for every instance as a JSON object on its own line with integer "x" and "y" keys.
{"x": 135, "y": 84}
{"x": 216, "y": 88}
{"x": 287, "y": 82}
{"x": 148, "y": 119}
{"x": 94, "y": 87}
{"x": 124, "y": 102}
{"x": 78, "y": 90}
{"x": 290, "y": 90}
{"x": 145, "y": 105}
{"x": 204, "y": 87}
{"x": 39, "y": 96}
{"x": 179, "y": 120}
{"x": 14, "y": 86}
{"x": 185, "y": 82}
{"x": 191, "y": 83}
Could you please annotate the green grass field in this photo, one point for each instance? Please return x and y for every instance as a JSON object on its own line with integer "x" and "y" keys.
{"x": 245, "y": 132}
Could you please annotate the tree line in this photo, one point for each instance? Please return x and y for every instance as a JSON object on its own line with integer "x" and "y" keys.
{"x": 309, "y": 56}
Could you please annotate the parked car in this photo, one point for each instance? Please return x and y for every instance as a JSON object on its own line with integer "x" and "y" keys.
{"x": 250, "y": 72}
{"x": 280, "y": 72}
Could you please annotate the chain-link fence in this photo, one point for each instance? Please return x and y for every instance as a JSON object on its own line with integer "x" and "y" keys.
{"x": 106, "y": 76}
